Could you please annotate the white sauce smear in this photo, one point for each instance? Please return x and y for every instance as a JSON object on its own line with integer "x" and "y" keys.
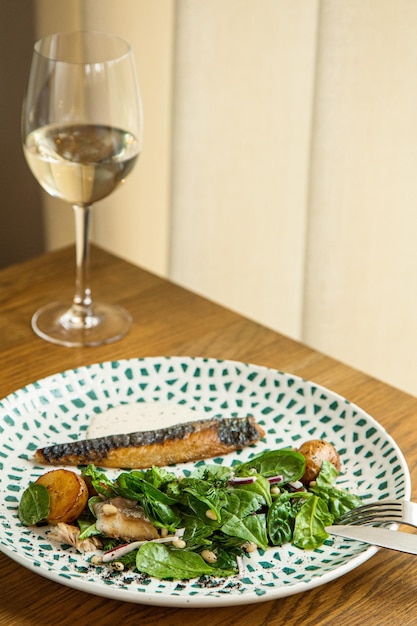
{"x": 139, "y": 416}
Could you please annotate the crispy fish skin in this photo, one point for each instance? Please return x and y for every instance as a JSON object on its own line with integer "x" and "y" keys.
{"x": 190, "y": 441}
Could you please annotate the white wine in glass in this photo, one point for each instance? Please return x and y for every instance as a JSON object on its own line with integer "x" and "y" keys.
{"x": 82, "y": 135}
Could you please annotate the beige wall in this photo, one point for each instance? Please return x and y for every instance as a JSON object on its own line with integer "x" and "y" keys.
{"x": 279, "y": 168}
{"x": 361, "y": 282}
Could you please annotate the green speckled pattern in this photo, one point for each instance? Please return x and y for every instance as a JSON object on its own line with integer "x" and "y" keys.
{"x": 291, "y": 410}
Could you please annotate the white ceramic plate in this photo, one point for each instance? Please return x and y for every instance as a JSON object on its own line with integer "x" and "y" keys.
{"x": 291, "y": 410}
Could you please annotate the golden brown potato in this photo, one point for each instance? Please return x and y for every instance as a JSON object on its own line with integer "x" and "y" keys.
{"x": 315, "y": 452}
{"x": 68, "y": 494}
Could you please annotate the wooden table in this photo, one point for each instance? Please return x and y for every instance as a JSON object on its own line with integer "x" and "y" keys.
{"x": 169, "y": 320}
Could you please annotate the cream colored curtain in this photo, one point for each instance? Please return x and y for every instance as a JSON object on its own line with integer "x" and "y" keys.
{"x": 244, "y": 88}
{"x": 279, "y": 173}
{"x": 361, "y": 269}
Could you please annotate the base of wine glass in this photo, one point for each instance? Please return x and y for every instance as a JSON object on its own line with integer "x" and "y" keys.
{"x": 107, "y": 323}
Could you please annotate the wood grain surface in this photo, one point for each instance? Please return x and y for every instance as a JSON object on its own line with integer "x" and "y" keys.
{"x": 169, "y": 320}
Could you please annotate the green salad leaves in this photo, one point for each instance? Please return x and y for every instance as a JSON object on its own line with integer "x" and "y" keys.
{"x": 225, "y": 511}
{"x": 219, "y": 513}
{"x": 33, "y": 505}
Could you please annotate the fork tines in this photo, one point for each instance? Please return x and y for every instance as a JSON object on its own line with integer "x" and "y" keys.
{"x": 383, "y": 510}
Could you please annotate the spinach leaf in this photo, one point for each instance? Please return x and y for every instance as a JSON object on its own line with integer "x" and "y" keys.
{"x": 285, "y": 462}
{"x": 87, "y": 528}
{"x": 281, "y": 516}
{"x": 34, "y": 505}
{"x": 261, "y": 487}
{"x": 252, "y": 528}
{"x": 204, "y": 496}
{"x": 196, "y": 507}
{"x": 216, "y": 474}
{"x": 339, "y": 501}
{"x": 197, "y": 532}
{"x": 226, "y": 557}
{"x": 162, "y": 562}
{"x": 310, "y": 522}
{"x": 242, "y": 502}
{"x": 134, "y": 485}
{"x": 157, "y": 504}
{"x": 161, "y": 514}
{"x": 158, "y": 476}
{"x": 99, "y": 481}
{"x": 328, "y": 474}
{"x": 93, "y": 501}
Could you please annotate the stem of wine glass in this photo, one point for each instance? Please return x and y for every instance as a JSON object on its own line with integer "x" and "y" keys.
{"x": 81, "y": 313}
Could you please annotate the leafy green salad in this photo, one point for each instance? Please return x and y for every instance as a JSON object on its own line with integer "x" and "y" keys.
{"x": 211, "y": 516}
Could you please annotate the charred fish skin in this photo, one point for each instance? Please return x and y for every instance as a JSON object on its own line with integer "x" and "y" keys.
{"x": 237, "y": 432}
{"x": 164, "y": 446}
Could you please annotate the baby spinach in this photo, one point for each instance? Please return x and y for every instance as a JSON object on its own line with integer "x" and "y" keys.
{"x": 250, "y": 529}
{"x": 87, "y": 528}
{"x": 216, "y": 474}
{"x": 242, "y": 503}
{"x": 99, "y": 481}
{"x": 203, "y": 496}
{"x": 310, "y": 522}
{"x": 339, "y": 501}
{"x": 159, "y": 561}
{"x": 158, "y": 506}
{"x": 288, "y": 464}
{"x": 281, "y": 516}
{"x": 241, "y": 518}
{"x": 34, "y": 505}
{"x": 198, "y": 533}
{"x": 261, "y": 487}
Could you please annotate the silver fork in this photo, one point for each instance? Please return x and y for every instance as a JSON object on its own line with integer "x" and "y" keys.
{"x": 398, "y": 511}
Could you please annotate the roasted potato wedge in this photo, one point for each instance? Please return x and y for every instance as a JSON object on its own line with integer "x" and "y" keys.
{"x": 68, "y": 494}
{"x": 315, "y": 452}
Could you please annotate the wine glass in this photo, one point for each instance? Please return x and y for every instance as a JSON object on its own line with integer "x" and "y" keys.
{"x": 82, "y": 128}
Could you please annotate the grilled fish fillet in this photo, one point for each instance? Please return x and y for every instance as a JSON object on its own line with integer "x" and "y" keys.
{"x": 190, "y": 441}
{"x": 125, "y": 520}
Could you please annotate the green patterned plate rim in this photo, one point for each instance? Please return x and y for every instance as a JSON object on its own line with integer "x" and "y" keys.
{"x": 290, "y": 409}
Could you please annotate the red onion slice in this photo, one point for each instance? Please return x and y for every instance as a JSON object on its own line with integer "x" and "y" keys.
{"x": 125, "y": 548}
{"x": 273, "y": 480}
{"x": 242, "y": 480}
